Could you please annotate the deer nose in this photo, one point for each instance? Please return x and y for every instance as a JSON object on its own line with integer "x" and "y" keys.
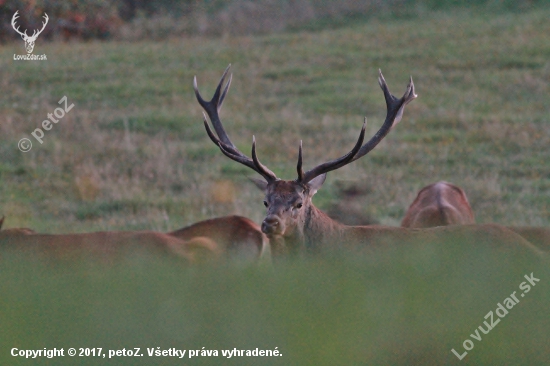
{"x": 271, "y": 225}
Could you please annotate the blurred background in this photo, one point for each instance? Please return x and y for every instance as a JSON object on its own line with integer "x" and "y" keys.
{"x": 139, "y": 19}
{"x": 133, "y": 154}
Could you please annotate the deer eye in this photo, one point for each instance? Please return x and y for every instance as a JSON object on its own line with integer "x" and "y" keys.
{"x": 299, "y": 205}
{"x": 265, "y": 204}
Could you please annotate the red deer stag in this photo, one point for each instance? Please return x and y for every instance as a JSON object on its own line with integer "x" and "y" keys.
{"x": 443, "y": 203}
{"x": 294, "y": 221}
{"x": 439, "y": 204}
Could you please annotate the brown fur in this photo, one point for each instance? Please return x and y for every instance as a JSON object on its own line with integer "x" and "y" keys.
{"x": 308, "y": 229}
{"x": 439, "y": 204}
{"x": 107, "y": 245}
{"x": 235, "y": 235}
{"x": 539, "y": 236}
{"x": 443, "y": 203}
{"x": 196, "y": 243}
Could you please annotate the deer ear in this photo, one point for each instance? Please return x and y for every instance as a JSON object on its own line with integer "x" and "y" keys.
{"x": 260, "y": 183}
{"x": 316, "y": 183}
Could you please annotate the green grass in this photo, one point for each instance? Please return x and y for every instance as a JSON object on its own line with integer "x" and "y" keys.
{"x": 401, "y": 307}
{"x": 132, "y": 154}
{"x": 481, "y": 119}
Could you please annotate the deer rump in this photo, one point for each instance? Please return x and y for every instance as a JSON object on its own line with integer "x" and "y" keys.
{"x": 439, "y": 204}
{"x": 223, "y": 236}
{"x": 444, "y": 204}
{"x": 236, "y": 236}
{"x": 107, "y": 246}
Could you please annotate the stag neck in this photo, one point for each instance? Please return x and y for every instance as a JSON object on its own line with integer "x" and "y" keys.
{"x": 323, "y": 233}
{"x": 320, "y": 229}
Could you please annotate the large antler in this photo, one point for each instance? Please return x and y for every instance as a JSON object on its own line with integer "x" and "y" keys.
{"x": 223, "y": 141}
{"x": 394, "y": 114}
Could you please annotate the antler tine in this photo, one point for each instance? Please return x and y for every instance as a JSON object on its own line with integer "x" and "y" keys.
{"x": 395, "y": 108}
{"x": 222, "y": 98}
{"x": 216, "y": 140}
{"x": 229, "y": 151}
{"x": 262, "y": 169}
{"x": 334, "y": 164}
{"x": 255, "y": 164}
{"x": 410, "y": 96}
{"x": 238, "y": 158}
{"x": 299, "y": 166}
{"x": 212, "y": 108}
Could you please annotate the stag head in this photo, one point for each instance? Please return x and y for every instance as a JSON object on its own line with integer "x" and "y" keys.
{"x": 29, "y": 40}
{"x": 290, "y": 211}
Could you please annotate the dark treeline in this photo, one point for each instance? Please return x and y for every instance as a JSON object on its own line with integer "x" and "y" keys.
{"x": 139, "y": 19}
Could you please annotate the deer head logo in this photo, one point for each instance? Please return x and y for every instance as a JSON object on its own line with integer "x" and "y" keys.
{"x": 29, "y": 41}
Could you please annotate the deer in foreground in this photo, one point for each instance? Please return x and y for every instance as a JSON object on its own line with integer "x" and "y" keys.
{"x": 216, "y": 238}
{"x": 235, "y": 236}
{"x": 294, "y": 224}
{"x": 443, "y": 203}
{"x": 107, "y": 245}
{"x": 16, "y": 231}
{"x": 439, "y": 204}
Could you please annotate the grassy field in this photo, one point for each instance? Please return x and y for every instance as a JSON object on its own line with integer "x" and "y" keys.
{"x": 133, "y": 154}
{"x": 400, "y": 307}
